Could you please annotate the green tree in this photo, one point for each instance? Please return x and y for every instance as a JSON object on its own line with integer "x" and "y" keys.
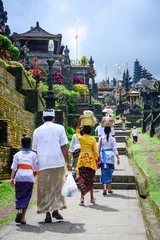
{"x": 3, "y": 20}
{"x": 127, "y": 80}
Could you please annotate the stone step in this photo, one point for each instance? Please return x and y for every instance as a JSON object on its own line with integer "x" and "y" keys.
{"x": 121, "y": 186}
{"x": 120, "y": 138}
{"x": 122, "y": 133}
{"x": 118, "y": 179}
{"x": 120, "y": 128}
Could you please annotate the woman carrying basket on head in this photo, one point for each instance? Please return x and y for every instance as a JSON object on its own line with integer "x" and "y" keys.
{"x": 108, "y": 150}
{"x": 87, "y": 162}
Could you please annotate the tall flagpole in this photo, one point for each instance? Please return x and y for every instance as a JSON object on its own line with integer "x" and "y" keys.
{"x": 76, "y": 43}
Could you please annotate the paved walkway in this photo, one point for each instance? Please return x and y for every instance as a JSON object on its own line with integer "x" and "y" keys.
{"x": 116, "y": 216}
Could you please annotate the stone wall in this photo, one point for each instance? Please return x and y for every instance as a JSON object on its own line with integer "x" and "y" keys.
{"x": 6, "y": 77}
{"x": 4, "y": 162}
{"x": 21, "y": 81}
{"x": 11, "y": 94}
{"x": 12, "y": 112}
{"x": 14, "y": 119}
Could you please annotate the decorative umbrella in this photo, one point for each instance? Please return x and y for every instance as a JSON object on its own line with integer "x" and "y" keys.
{"x": 107, "y": 110}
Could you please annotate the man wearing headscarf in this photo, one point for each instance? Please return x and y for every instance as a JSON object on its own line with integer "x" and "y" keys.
{"x": 50, "y": 144}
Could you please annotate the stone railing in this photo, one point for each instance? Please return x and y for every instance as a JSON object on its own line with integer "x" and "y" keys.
{"x": 156, "y": 122}
{"x": 152, "y": 125}
{"x": 148, "y": 122}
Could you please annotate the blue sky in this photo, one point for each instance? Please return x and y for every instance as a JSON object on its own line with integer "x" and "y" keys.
{"x": 112, "y": 31}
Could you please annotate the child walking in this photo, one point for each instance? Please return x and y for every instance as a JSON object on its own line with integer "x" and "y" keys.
{"x": 135, "y": 135}
{"x": 22, "y": 177}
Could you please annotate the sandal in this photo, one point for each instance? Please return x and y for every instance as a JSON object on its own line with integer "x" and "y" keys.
{"x": 110, "y": 191}
{"x": 81, "y": 203}
{"x": 18, "y": 217}
{"x": 23, "y": 222}
{"x": 48, "y": 218}
{"x": 93, "y": 200}
{"x": 104, "y": 192}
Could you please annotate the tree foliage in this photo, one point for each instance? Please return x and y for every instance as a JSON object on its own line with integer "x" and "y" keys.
{"x": 38, "y": 72}
{"x": 5, "y": 30}
{"x": 7, "y": 49}
{"x": 58, "y": 78}
{"x": 81, "y": 88}
{"x": 62, "y": 93}
{"x": 84, "y": 61}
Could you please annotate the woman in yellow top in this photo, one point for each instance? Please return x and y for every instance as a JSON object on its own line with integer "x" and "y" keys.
{"x": 87, "y": 162}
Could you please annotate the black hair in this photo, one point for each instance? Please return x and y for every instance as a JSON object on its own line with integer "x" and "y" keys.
{"x": 26, "y": 141}
{"x": 81, "y": 131}
{"x": 87, "y": 129}
{"x": 48, "y": 118}
{"x": 107, "y": 131}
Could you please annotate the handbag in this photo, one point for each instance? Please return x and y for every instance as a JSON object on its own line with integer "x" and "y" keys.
{"x": 99, "y": 162}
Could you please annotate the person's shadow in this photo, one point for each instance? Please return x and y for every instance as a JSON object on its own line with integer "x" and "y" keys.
{"x": 116, "y": 195}
{"x": 63, "y": 227}
{"x": 102, "y": 208}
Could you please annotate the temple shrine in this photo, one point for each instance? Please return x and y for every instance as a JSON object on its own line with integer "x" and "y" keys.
{"x": 133, "y": 97}
{"x": 34, "y": 43}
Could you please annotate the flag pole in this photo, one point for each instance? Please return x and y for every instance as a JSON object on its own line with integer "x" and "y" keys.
{"x": 76, "y": 43}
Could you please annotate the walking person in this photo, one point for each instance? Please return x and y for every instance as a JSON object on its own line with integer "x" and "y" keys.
{"x": 50, "y": 143}
{"x": 135, "y": 134}
{"x": 108, "y": 150}
{"x": 22, "y": 177}
{"x": 123, "y": 119}
{"x": 74, "y": 151}
{"x": 87, "y": 162}
{"x": 100, "y": 129}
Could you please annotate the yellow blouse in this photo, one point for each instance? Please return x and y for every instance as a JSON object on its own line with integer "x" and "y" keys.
{"x": 89, "y": 151}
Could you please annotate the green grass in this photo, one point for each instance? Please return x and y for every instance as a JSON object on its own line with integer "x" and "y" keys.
{"x": 155, "y": 196}
{"x": 7, "y": 194}
{"x": 12, "y": 216}
{"x": 157, "y": 156}
{"x": 141, "y": 156}
{"x": 5, "y": 221}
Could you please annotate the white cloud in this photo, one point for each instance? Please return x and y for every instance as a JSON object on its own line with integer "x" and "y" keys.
{"x": 69, "y": 38}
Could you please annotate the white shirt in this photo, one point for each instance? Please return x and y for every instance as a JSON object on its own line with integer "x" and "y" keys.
{"x": 135, "y": 132}
{"x": 24, "y": 157}
{"x": 112, "y": 131}
{"x": 111, "y": 143}
{"x": 74, "y": 143}
{"x": 47, "y": 141}
{"x": 100, "y": 130}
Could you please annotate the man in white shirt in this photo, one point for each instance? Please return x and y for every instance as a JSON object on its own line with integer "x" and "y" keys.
{"x": 50, "y": 144}
{"x": 100, "y": 130}
{"x": 135, "y": 135}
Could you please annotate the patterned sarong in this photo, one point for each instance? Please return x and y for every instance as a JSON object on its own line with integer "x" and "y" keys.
{"x": 106, "y": 173}
{"x": 86, "y": 179}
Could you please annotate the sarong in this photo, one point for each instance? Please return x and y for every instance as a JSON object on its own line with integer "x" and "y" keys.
{"x": 49, "y": 186}
{"x": 106, "y": 173}
{"x": 85, "y": 179}
{"x": 23, "y": 194}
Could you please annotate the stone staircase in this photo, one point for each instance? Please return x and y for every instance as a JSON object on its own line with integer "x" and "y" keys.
{"x": 123, "y": 177}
